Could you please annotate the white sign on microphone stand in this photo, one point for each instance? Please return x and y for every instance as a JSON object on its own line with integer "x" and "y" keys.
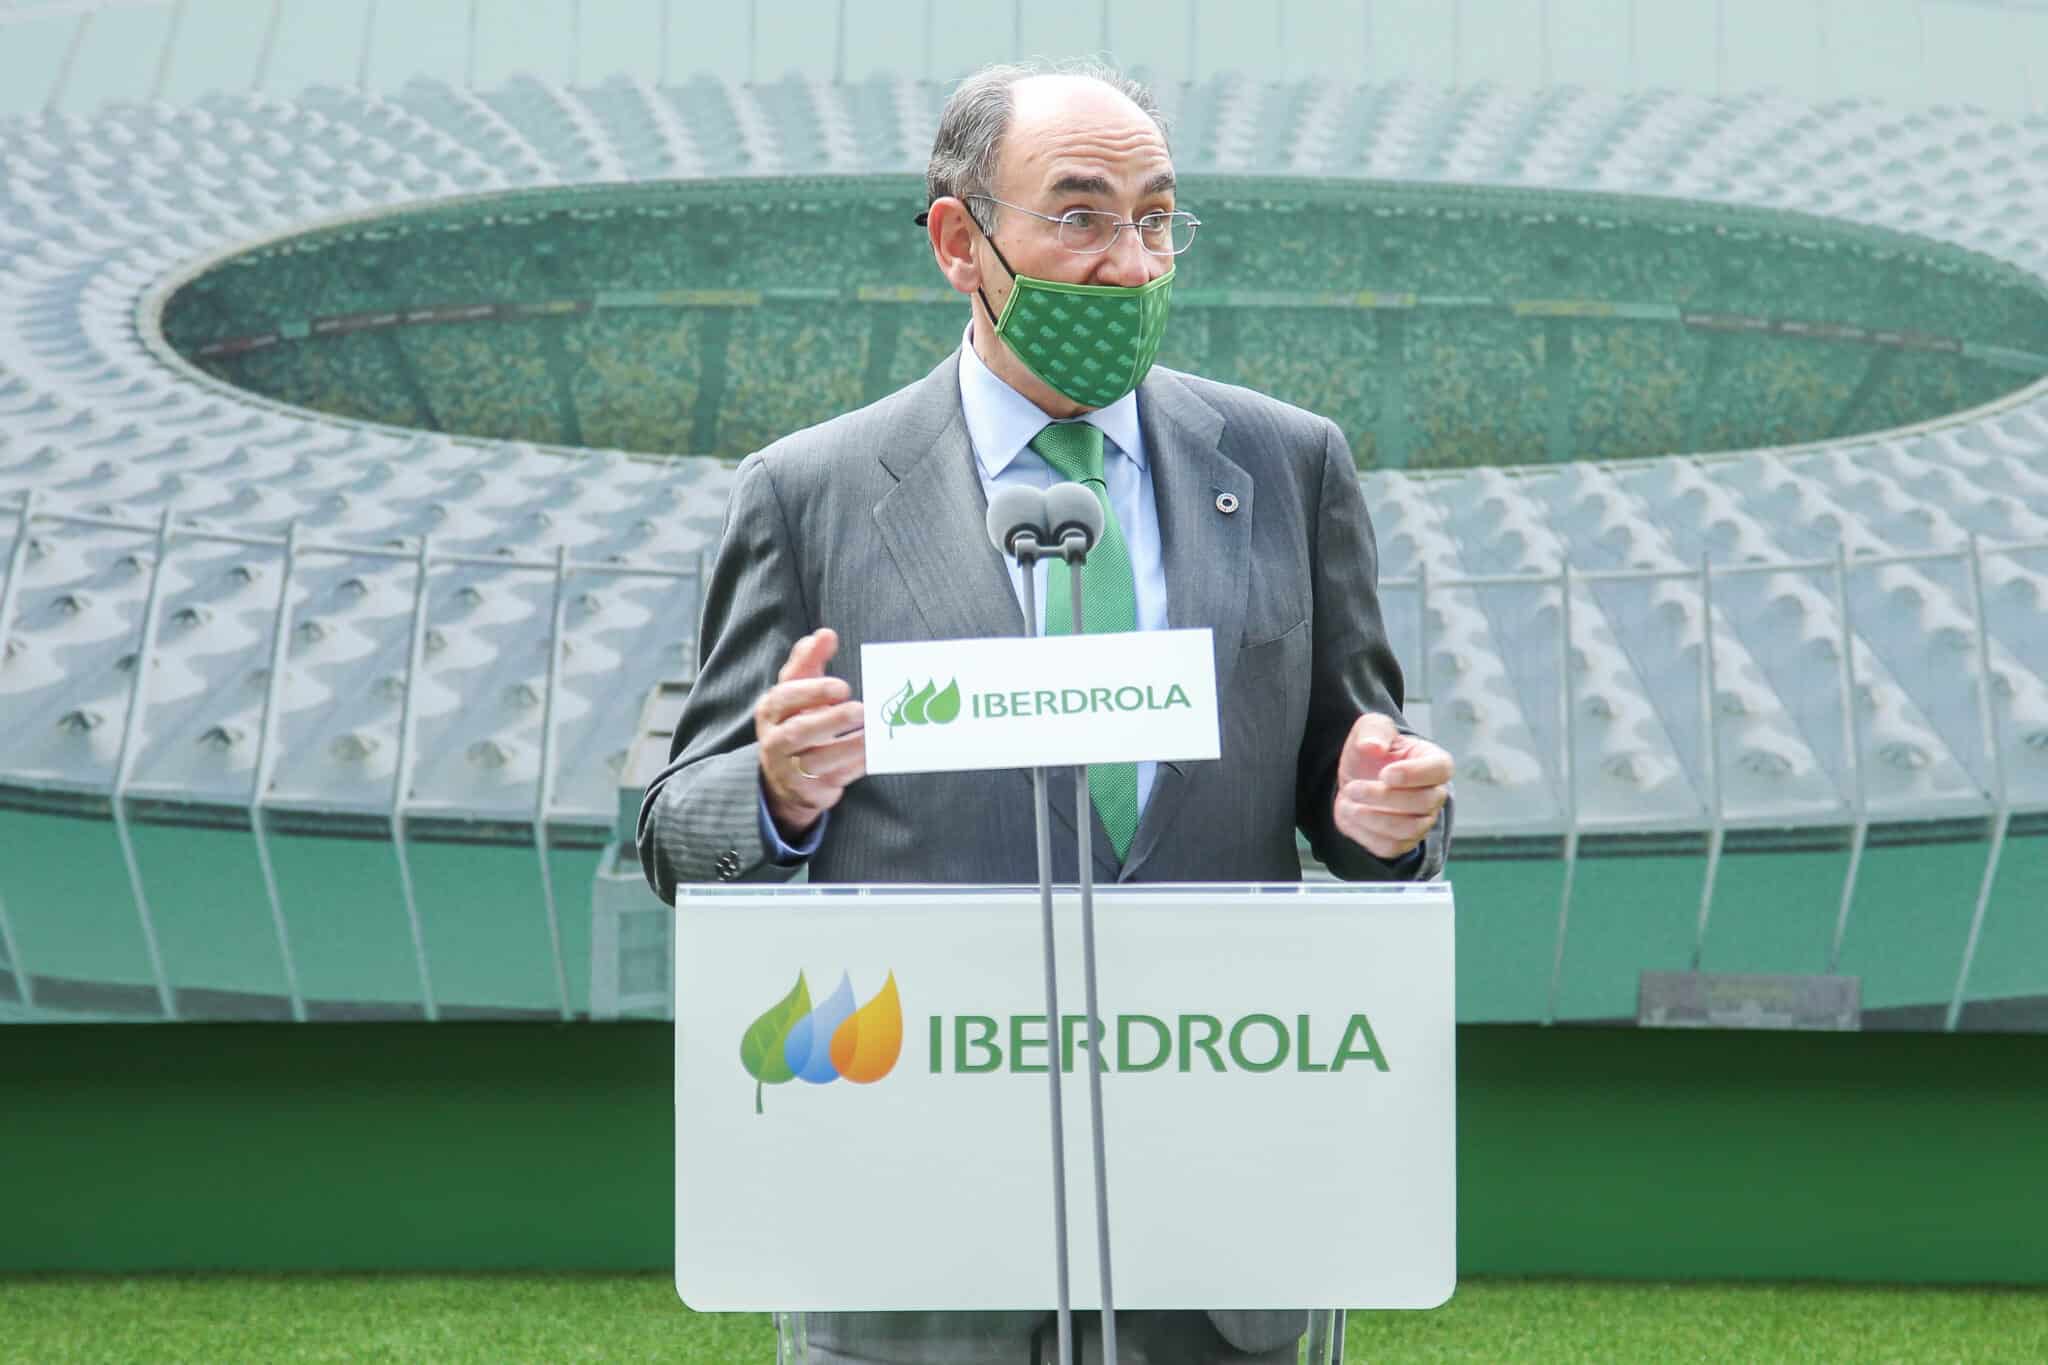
{"x": 953, "y": 705}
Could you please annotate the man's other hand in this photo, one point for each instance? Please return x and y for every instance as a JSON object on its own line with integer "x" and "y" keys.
{"x": 812, "y": 747}
{"x": 1390, "y": 787}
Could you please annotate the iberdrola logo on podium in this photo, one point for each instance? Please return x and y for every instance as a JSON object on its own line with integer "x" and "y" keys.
{"x": 930, "y": 705}
{"x": 834, "y": 1041}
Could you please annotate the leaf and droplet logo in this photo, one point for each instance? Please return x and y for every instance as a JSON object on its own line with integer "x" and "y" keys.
{"x": 933, "y": 705}
{"x": 796, "y": 1041}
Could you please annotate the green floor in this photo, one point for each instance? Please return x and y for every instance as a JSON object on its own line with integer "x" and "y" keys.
{"x": 494, "y": 1319}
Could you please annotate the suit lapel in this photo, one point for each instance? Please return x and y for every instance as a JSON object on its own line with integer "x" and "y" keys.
{"x": 1207, "y": 553}
{"x": 934, "y": 522}
{"x": 934, "y": 519}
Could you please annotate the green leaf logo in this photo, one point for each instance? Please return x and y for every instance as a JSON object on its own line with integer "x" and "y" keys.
{"x": 892, "y": 709}
{"x": 930, "y": 705}
{"x": 761, "y": 1048}
{"x": 913, "y": 710}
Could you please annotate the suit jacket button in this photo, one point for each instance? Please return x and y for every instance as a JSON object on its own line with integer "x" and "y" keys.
{"x": 729, "y": 865}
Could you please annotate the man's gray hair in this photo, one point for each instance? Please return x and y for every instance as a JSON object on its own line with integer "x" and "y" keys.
{"x": 972, "y": 124}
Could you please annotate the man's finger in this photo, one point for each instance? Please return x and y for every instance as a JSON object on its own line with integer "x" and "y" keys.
{"x": 1386, "y": 824}
{"x": 1371, "y": 739}
{"x": 1382, "y": 834}
{"x": 836, "y": 765}
{"x": 1396, "y": 800}
{"x": 808, "y": 656}
{"x": 813, "y": 729}
{"x": 786, "y": 699}
{"x": 1430, "y": 768}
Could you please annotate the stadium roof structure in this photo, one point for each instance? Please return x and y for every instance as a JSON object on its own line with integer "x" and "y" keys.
{"x": 212, "y": 601}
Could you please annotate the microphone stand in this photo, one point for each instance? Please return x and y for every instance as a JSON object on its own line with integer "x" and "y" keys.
{"x": 1018, "y": 524}
{"x": 1026, "y": 549}
{"x": 1074, "y": 548}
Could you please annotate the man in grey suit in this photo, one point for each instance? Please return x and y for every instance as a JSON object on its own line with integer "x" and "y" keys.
{"x": 1052, "y": 207}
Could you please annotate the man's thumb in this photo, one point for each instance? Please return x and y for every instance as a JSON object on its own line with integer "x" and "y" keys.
{"x": 814, "y": 651}
{"x": 1372, "y": 742}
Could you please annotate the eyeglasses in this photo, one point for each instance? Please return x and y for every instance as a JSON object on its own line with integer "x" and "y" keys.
{"x": 1090, "y": 232}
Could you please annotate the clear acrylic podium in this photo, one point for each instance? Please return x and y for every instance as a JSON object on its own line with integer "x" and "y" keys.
{"x": 1323, "y": 1344}
{"x": 862, "y": 1075}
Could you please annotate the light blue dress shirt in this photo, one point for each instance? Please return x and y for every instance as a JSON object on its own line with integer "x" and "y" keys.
{"x": 1000, "y": 425}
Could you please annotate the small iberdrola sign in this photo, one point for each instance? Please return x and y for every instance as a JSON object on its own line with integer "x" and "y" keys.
{"x": 954, "y": 705}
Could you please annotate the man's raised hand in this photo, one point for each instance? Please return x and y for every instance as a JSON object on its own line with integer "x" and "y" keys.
{"x": 1390, "y": 787}
{"x": 809, "y": 728}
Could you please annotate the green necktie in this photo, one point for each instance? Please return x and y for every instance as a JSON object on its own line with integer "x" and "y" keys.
{"x": 1109, "y": 602}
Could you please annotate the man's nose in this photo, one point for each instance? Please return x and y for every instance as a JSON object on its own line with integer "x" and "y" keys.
{"x": 1127, "y": 262}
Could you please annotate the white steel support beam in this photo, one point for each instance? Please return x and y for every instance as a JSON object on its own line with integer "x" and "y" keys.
{"x": 268, "y": 51}
{"x": 2001, "y": 825}
{"x": 17, "y": 568}
{"x": 1920, "y": 28}
{"x": 1457, "y": 42}
{"x": 2020, "y": 49}
{"x": 401, "y": 776}
{"x": 266, "y": 764}
{"x": 1635, "y": 78}
{"x": 1852, "y": 742}
{"x": 1820, "y": 50}
{"x": 10, "y": 591}
{"x": 124, "y": 766}
{"x": 1710, "y": 729}
{"x": 68, "y": 62}
{"x": 1422, "y": 635}
{"x": 544, "y": 785}
{"x": 575, "y": 42}
{"x": 24, "y": 985}
{"x": 1720, "y": 47}
{"x": 2000, "y": 795}
{"x": 163, "y": 59}
{"x": 363, "y": 57}
{"x": 1567, "y": 729}
{"x": 1987, "y": 712}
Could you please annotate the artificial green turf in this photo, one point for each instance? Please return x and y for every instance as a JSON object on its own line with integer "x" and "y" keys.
{"x": 207, "y": 1319}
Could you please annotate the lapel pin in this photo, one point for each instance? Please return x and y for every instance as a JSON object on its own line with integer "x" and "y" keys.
{"x": 1226, "y": 503}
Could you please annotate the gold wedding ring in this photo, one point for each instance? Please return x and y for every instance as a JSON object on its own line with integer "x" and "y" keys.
{"x": 802, "y": 771}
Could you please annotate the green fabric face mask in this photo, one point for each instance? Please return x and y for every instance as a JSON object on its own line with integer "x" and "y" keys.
{"x": 1089, "y": 343}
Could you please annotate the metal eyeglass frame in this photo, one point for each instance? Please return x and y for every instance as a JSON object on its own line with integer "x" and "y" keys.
{"x": 1070, "y": 215}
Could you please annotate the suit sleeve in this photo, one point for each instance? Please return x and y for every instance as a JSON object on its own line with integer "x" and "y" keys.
{"x": 1355, "y": 671}
{"x": 701, "y": 818}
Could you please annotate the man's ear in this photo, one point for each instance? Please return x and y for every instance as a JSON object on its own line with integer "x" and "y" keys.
{"x": 953, "y": 233}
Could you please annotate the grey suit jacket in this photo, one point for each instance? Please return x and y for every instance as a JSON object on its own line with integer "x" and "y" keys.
{"x": 872, "y": 523}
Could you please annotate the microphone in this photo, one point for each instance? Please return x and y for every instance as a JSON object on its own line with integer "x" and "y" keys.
{"x": 1074, "y": 517}
{"x": 1017, "y": 523}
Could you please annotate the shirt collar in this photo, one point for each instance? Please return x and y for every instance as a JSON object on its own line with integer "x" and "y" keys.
{"x": 1002, "y": 421}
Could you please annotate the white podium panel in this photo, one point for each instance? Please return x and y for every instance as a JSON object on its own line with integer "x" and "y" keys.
{"x": 862, "y": 1113}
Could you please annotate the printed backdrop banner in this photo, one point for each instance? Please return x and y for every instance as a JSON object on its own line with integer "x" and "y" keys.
{"x": 861, "y": 1097}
